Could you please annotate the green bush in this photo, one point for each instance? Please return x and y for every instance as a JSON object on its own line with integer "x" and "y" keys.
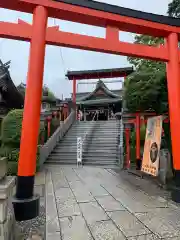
{"x": 41, "y": 132}
{"x": 142, "y": 135}
{"x": 11, "y": 128}
{"x": 12, "y": 168}
{"x": 10, "y": 137}
{"x": 13, "y": 156}
{"x": 10, "y": 153}
{"x": 133, "y": 142}
{"x": 54, "y": 125}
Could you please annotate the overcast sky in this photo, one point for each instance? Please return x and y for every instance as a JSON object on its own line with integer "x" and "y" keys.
{"x": 56, "y": 64}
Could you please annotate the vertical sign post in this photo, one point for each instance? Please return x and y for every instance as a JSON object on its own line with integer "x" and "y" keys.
{"x": 79, "y": 150}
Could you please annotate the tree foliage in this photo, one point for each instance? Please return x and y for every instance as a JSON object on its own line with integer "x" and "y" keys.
{"x": 146, "y": 89}
{"x": 10, "y": 138}
{"x": 46, "y": 92}
{"x": 145, "y": 64}
{"x": 174, "y": 8}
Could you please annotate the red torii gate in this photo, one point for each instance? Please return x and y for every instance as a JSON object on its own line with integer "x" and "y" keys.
{"x": 135, "y": 119}
{"x": 113, "y": 19}
{"x": 96, "y": 74}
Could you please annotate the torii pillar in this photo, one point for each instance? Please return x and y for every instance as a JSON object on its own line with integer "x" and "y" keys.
{"x": 173, "y": 81}
{"x": 26, "y": 204}
{"x": 138, "y": 141}
{"x": 74, "y": 91}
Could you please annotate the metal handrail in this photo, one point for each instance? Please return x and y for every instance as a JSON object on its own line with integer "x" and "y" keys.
{"x": 82, "y": 144}
{"x": 87, "y": 132}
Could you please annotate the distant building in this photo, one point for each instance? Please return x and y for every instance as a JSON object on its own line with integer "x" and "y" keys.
{"x": 101, "y": 100}
{"x": 10, "y": 97}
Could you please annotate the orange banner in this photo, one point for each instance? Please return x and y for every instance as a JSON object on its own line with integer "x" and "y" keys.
{"x": 150, "y": 163}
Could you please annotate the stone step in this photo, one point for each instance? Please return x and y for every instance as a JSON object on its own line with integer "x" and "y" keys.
{"x": 107, "y": 165}
{"x": 99, "y": 159}
{"x": 85, "y": 154}
{"x": 63, "y": 154}
{"x": 85, "y": 161}
{"x": 90, "y": 148}
{"x": 73, "y": 159}
{"x": 101, "y": 140}
{"x": 62, "y": 162}
{"x": 100, "y": 163}
{"x": 93, "y": 147}
{"x": 103, "y": 144}
{"x": 94, "y": 153}
{"x": 87, "y": 150}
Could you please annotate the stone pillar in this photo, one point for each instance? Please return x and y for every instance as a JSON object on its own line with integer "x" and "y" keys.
{"x": 7, "y": 219}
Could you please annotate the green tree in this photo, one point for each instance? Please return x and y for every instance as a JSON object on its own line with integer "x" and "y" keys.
{"x": 46, "y": 92}
{"x": 149, "y": 83}
{"x": 174, "y": 8}
{"x": 144, "y": 87}
{"x": 144, "y": 90}
{"x": 143, "y": 64}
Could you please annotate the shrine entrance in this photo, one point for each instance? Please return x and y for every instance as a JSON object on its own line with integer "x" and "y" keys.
{"x": 101, "y": 114}
{"x": 101, "y": 100}
{"x": 113, "y": 19}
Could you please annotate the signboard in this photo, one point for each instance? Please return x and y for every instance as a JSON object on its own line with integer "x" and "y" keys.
{"x": 79, "y": 150}
{"x": 150, "y": 163}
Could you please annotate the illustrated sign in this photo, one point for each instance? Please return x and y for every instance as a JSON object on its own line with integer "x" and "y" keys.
{"x": 79, "y": 150}
{"x": 150, "y": 163}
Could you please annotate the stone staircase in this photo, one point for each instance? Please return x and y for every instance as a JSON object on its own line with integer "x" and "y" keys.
{"x": 66, "y": 150}
{"x": 102, "y": 145}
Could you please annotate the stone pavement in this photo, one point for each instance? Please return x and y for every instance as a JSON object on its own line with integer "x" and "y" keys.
{"x": 100, "y": 204}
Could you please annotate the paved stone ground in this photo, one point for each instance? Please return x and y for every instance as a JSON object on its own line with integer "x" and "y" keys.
{"x": 101, "y": 204}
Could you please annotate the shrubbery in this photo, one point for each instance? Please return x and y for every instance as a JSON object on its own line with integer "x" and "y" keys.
{"x": 10, "y": 139}
{"x": 133, "y": 142}
{"x": 54, "y": 125}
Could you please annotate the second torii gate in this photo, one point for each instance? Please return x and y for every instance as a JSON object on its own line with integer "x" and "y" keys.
{"x": 96, "y": 74}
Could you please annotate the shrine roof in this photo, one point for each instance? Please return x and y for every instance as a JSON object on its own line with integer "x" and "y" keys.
{"x": 98, "y": 101}
{"x": 10, "y": 94}
{"x": 100, "y": 86}
{"x": 100, "y": 73}
{"x": 127, "y": 12}
{"x": 80, "y": 95}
